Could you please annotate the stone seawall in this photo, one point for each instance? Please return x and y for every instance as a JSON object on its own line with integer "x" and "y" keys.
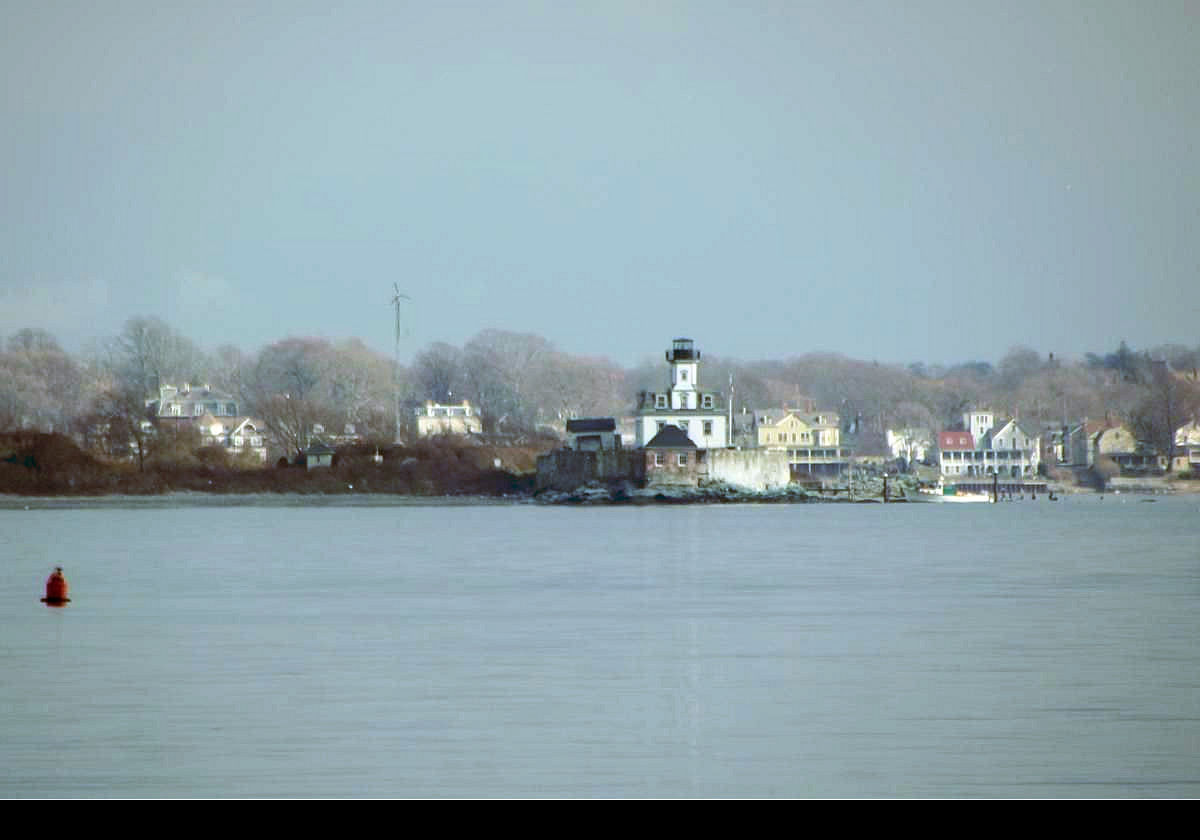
{"x": 750, "y": 469}
{"x": 567, "y": 469}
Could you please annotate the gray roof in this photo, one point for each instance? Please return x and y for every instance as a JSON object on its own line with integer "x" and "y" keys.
{"x": 592, "y": 424}
{"x": 671, "y": 437}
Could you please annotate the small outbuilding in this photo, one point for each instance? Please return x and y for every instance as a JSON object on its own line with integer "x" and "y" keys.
{"x": 672, "y": 459}
{"x": 593, "y": 434}
{"x": 319, "y": 454}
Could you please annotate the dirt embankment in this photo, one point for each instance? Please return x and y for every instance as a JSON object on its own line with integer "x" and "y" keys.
{"x": 36, "y": 464}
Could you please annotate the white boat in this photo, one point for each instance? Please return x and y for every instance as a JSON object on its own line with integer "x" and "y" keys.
{"x": 945, "y": 494}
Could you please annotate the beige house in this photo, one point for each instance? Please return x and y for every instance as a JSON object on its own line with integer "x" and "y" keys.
{"x": 783, "y": 428}
{"x": 1127, "y": 452}
{"x": 436, "y": 419}
{"x": 812, "y": 440}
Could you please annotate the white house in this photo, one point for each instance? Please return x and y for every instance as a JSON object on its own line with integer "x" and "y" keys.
{"x": 436, "y": 419}
{"x": 188, "y": 403}
{"x": 1007, "y": 450}
{"x": 700, "y": 414}
{"x": 1187, "y": 446}
{"x": 909, "y": 443}
{"x": 237, "y": 435}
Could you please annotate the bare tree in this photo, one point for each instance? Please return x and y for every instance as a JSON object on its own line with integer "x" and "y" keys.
{"x": 500, "y": 366}
{"x": 438, "y": 372}
{"x": 1168, "y": 402}
{"x": 149, "y": 353}
{"x": 40, "y": 385}
{"x": 121, "y": 415}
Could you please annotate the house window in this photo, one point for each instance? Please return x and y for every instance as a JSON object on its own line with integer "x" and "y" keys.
{"x": 660, "y": 460}
{"x": 683, "y": 375}
{"x": 708, "y": 403}
{"x": 660, "y": 400}
{"x": 683, "y": 459}
{"x": 662, "y": 424}
{"x": 707, "y": 428}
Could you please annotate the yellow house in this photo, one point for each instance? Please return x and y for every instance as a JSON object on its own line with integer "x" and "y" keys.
{"x": 783, "y": 429}
{"x": 812, "y": 440}
{"x": 787, "y": 429}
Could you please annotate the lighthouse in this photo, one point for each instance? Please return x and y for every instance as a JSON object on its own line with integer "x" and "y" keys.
{"x": 699, "y": 413}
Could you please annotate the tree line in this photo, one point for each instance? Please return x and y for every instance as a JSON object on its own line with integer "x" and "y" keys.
{"x": 523, "y": 383}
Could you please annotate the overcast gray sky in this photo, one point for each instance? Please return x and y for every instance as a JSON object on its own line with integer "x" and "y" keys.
{"x": 902, "y": 181}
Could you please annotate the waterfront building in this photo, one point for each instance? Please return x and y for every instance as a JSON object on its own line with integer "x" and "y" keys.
{"x": 699, "y": 413}
{"x": 811, "y": 440}
{"x": 1007, "y": 450}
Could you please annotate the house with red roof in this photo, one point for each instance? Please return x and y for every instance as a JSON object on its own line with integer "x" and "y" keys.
{"x": 979, "y": 449}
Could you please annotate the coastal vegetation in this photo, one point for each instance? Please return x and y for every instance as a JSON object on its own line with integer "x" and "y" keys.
{"x": 78, "y": 422}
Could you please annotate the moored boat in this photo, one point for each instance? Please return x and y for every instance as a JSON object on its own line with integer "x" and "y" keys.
{"x": 945, "y": 494}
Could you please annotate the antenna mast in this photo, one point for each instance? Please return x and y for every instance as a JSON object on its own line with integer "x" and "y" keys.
{"x": 397, "y": 297}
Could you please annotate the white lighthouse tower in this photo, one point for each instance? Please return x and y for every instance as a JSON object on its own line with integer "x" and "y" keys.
{"x": 697, "y": 412}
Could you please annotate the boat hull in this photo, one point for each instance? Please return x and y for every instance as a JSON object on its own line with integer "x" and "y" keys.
{"x": 938, "y": 497}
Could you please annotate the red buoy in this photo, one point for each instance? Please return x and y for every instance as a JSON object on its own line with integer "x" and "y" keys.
{"x": 56, "y": 589}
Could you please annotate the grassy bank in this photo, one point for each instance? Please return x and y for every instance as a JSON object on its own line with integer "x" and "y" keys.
{"x": 36, "y": 464}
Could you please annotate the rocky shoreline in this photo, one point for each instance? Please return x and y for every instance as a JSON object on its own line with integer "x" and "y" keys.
{"x": 624, "y": 494}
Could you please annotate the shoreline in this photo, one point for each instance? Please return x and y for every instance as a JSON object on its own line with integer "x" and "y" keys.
{"x": 581, "y": 497}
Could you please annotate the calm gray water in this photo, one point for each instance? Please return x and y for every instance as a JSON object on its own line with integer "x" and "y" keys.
{"x": 1024, "y": 649}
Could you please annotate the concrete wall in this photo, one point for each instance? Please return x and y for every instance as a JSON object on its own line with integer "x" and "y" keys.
{"x": 566, "y": 469}
{"x": 751, "y": 469}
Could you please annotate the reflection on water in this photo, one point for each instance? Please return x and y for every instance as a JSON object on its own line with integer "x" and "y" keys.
{"x": 295, "y": 649}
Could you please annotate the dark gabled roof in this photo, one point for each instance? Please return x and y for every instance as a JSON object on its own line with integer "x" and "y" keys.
{"x": 592, "y": 424}
{"x": 671, "y": 437}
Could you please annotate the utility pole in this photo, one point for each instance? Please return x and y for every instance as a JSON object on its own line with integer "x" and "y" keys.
{"x": 729, "y": 430}
{"x": 397, "y": 297}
